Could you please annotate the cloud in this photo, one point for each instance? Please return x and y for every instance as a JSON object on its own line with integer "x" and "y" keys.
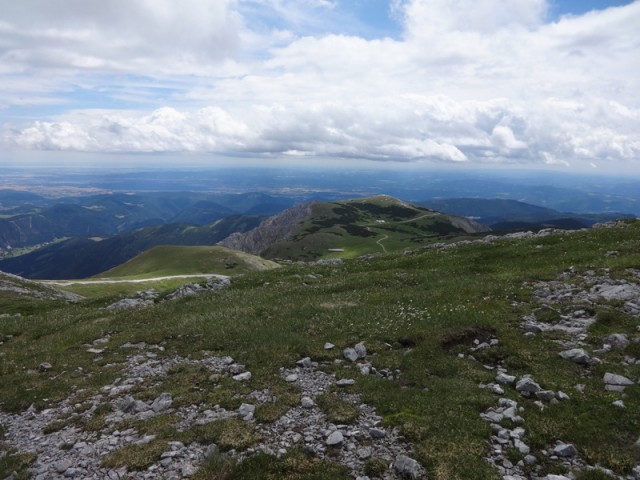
{"x": 117, "y": 35}
{"x": 468, "y": 81}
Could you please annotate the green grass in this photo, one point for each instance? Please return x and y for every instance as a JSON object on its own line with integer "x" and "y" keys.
{"x": 181, "y": 260}
{"x": 357, "y": 227}
{"x": 415, "y": 313}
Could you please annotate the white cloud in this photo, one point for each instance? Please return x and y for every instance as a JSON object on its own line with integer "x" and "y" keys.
{"x": 117, "y": 35}
{"x": 469, "y": 81}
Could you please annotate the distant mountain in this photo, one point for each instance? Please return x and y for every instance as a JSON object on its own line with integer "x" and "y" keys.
{"x": 83, "y": 257}
{"x": 501, "y": 214}
{"x": 113, "y": 214}
{"x": 14, "y": 198}
{"x": 349, "y": 228}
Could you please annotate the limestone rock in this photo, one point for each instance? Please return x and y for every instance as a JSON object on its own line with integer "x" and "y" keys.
{"x": 350, "y": 354}
{"x": 407, "y": 466}
{"x": 616, "y": 383}
{"x": 361, "y": 350}
{"x": 576, "y": 355}
{"x": 565, "y": 450}
{"x": 618, "y": 341}
{"x": 335, "y": 438}
{"x": 242, "y": 377}
{"x": 162, "y": 403}
{"x": 527, "y": 385}
{"x": 504, "y": 379}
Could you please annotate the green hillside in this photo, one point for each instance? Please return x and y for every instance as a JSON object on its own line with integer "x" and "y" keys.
{"x": 371, "y": 225}
{"x": 179, "y": 260}
{"x": 439, "y": 324}
{"x": 84, "y": 257}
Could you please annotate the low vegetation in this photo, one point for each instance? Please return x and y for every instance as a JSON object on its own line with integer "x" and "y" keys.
{"x": 416, "y": 313}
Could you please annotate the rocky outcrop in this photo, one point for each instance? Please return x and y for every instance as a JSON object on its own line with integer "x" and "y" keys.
{"x": 27, "y": 288}
{"x": 278, "y": 228}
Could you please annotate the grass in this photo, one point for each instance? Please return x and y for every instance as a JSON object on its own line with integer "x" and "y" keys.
{"x": 357, "y": 227}
{"x": 337, "y": 410}
{"x": 181, "y": 260}
{"x": 415, "y": 314}
{"x": 136, "y": 457}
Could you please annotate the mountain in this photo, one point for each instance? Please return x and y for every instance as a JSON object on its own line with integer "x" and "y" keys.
{"x": 499, "y": 357}
{"x": 501, "y": 214}
{"x": 349, "y": 228}
{"x": 117, "y": 213}
{"x": 185, "y": 260}
{"x": 84, "y": 257}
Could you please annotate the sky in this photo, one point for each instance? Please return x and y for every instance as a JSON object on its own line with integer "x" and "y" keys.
{"x": 550, "y": 84}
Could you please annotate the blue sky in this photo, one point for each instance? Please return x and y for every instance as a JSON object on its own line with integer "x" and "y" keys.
{"x": 536, "y": 83}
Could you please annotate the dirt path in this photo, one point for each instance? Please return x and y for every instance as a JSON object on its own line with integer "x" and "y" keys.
{"x": 65, "y": 283}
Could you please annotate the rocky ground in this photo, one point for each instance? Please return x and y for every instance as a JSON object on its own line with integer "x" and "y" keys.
{"x": 66, "y": 451}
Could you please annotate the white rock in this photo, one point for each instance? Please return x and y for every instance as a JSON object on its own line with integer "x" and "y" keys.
{"x": 335, "y": 438}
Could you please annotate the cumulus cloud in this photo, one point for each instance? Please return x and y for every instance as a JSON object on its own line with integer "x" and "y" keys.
{"x": 468, "y": 81}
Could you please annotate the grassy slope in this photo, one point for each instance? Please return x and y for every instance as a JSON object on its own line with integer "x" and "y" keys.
{"x": 269, "y": 319}
{"x": 178, "y": 260}
{"x": 355, "y": 227}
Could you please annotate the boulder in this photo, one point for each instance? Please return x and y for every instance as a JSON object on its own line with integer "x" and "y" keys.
{"x": 242, "y": 377}
{"x": 616, "y": 383}
{"x": 565, "y": 450}
{"x": 335, "y": 439}
{"x": 526, "y": 385}
{"x": 361, "y": 350}
{"x": 618, "y": 341}
{"x": 504, "y": 379}
{"x": 350, "y": 354}
{"x": 407, "y": 467}
{"x": 162, "y": 403}
{"x": 576, "y": 355}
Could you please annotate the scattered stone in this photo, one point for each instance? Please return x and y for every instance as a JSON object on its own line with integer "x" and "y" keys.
{"x": 62, "y": 466}
{"x": 619, "y": 341}
{"x": 45, "y": 367}
{"x": 565, "y": 450}
{"x": 162, "y": 403}
{"x": 576, "y": 355}
{"x": 361, "y": 350}
{"x": 378, "y": 433}
{"x": 307, "y": 402}
{"x": 127, "y": 303}
{"x": 504, "y": 379}
{"x": 329, "y": 346}
{"x": 616, "y": 383}
{"x": 526, "y": 385}
{"x": 242, "y": 377}
{"x": 292, "y": 377}
{"x": 364, "y": 453}
{"x": 335, "y": 438}
{"x": 305, "y": 363}
{"x": 408, "y": 467}
{"x": 619, "y": 404}
{"x": 545, "y": 395}
{"x": 350, "y": 354}
{"x": 246, "y": 411}
{"x": 345, "y": 382}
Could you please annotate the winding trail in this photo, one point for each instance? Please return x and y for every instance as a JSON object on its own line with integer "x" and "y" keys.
{"x": 66, "y": 283}
{"x": 385, "y": 237}
{"x": 381, "y": 245}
